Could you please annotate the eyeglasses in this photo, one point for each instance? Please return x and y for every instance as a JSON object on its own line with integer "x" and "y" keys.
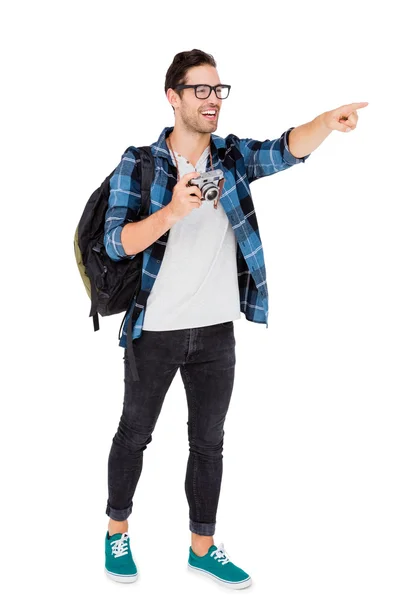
{"x": 203, "y": 91}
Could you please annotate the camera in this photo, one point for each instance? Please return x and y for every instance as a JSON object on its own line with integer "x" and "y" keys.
{"x": 210, "y": 183}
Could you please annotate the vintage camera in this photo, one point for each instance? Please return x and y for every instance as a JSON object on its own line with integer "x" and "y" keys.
{"x": 210, "y": 184}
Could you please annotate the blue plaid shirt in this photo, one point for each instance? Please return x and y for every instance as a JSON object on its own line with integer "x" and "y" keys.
{"x": 242, "y": 161}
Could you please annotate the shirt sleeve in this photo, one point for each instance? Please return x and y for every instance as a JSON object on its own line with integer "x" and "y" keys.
{"x": 123, "y": 204}
{"x": 268, "y": 157}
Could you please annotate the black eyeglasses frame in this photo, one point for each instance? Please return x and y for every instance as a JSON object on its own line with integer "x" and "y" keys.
{"x": 181, "y": 86}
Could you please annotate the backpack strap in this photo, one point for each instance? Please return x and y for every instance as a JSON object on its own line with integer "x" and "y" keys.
{"x": 146, "y": 179}
{"x": 147, "y": 176}
{"x": 129, "y": 349}
{"x": 93, "y": 309}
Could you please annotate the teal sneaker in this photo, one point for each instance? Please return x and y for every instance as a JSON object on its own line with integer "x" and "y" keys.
{"x": 217, "y": 565}
{"x": 120, "y": 565}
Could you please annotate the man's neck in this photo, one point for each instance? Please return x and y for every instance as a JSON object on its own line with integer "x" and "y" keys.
{"x": 191, "y": 145}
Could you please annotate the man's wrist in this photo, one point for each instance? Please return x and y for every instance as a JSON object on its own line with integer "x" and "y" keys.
{"x": 321, "y": 120}
{"x": 170, "y": 216}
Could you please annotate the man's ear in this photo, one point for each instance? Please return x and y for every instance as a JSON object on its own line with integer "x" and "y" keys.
{"x": 171, "y": 96}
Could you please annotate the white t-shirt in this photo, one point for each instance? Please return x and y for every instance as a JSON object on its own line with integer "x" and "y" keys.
{"x": 197, "y": 284}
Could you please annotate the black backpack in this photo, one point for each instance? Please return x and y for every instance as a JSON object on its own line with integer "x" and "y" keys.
{"x": 111, "y": 285}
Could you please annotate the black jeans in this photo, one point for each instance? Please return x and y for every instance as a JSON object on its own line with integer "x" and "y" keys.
{"x": 206, "y": 359}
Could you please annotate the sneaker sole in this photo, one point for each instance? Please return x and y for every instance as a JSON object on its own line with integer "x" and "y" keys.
{"x": 121, "y": 578}
{"x": 238, "y": 585}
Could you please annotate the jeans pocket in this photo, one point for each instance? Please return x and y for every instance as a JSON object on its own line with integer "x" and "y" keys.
{"x": 227, "y": 324}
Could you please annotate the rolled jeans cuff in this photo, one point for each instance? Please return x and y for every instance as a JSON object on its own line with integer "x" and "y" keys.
{"x": 201, "y": 528}
{"x": 118, "y": 514}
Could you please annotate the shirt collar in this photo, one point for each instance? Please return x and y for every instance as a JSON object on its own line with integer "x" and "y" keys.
{"x": 160, "y": 148}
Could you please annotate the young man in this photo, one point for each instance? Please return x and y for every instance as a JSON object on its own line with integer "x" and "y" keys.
{"x": 203, "y": 265}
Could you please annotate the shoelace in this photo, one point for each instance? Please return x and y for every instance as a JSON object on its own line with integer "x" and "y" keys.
{"x": 120, "y": 547}
{"x": 220, "y": 555}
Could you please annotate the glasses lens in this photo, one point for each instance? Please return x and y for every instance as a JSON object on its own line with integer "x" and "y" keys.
{"x": 203, "y": 91}
{"x": 222, "y": 92}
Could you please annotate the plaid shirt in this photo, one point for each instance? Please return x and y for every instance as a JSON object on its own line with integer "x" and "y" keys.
{"x": 242, "y": 161}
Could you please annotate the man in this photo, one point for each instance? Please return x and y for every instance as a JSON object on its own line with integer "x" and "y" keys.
{"x": 203, "y": 265}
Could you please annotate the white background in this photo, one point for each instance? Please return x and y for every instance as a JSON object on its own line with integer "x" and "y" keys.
{"x": 310, "y": 496}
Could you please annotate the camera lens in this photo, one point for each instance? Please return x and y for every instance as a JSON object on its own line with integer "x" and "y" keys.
{"x": 210, "y": 191}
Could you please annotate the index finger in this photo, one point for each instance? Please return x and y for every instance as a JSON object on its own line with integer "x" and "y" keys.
{"x": 349, "y": 108}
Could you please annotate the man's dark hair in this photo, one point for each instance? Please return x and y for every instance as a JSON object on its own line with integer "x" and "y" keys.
{"x": 183, "y": 61}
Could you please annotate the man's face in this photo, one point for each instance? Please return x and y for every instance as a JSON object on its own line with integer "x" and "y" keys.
{"x": 189, "y": 109}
